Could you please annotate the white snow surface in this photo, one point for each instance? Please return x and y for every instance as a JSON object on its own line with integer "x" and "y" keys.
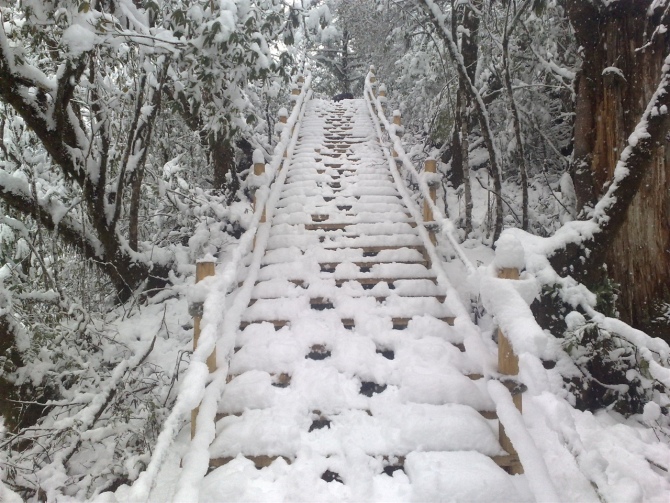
{"x": 367, "y": 268}
{"x": 325, "y": 211}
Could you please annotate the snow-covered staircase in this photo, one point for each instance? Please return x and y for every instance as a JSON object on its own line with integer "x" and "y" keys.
{"x": 348, "y": 381}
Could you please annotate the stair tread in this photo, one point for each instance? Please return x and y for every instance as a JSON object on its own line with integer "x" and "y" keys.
{"x": 413, "y": 426}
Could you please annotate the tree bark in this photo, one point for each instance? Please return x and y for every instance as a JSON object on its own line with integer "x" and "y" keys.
{"x": 222, "y": 158}
{"x": 465, "y": 151}
{"x": 455, "y": 153}
{"x": 616, "y": 81}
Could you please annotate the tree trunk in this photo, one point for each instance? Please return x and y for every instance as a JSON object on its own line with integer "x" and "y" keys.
{"x": 455, "y": 153}
{"x": 614, "y": 85}
{"x": 222, "y": 157}
{"x": 465, "y": 149}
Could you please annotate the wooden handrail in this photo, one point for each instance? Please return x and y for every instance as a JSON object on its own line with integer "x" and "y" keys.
{"x": 430, "y": 166}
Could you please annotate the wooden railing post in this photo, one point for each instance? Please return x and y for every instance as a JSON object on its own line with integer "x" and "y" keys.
{"x": 283, "y": 119}
{"x": 397, "y": 120}
{"x": 295, "y": 92}
{"x": 382, "y": 98}
{"x": 430, "y": 166}
{"x": 259, "y": 170}
{"x": 373, "y": 80}
{"x": 202, "y": 270}
{"x": 508, "y": 365}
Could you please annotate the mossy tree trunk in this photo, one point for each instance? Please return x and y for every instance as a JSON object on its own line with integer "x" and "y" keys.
{"x": 619, "y": 75}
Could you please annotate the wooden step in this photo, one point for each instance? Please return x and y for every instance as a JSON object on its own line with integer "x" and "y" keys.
{"x": 335, "y": 226}
{"x": 506, "y": 462}
{"x": 401, "y": 324}
{"x": 328, "y": 266}
{"x": 321, "y": 303}
{"x": 398, "y": 324}
{"x": 374, "y": 281}
{"x": 370, "y": 251}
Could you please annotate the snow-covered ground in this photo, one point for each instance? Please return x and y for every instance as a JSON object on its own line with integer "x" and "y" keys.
{"x": 599, "y": 456}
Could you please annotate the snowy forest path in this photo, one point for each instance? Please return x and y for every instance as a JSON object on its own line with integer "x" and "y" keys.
{"x": 348, "y": 381}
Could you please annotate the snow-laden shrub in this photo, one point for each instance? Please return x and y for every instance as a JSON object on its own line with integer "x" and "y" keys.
{"x": 614, "y": 375}
{"x": 87, "y": 384}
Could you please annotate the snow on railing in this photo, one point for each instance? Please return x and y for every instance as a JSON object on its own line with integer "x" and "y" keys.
{"x": 526, "y": 336}
{"x": 201, "y": 389}
{"x": 505, "y": 299}
{"x": 509, "y": 302}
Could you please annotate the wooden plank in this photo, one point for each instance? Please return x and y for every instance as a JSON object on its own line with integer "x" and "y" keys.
{"x": 403, "y": 322}
{"x": 277, "y": 323}
{"x": 341, "y": 225}
{"x": 510, "y": 463}
{"x": 320, "y": 301}
{"x": 369, "y": 263}
{"x": 377, "y": 249}
{"x": 488, "y": 414}
{"x": 374, "y": 281}
{"x": 326, "y": 226}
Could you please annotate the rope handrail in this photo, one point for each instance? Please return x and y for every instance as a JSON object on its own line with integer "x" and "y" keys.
{"x": 200, "y": 388}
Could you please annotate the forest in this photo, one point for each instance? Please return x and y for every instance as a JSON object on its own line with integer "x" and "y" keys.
{"x": 128, "y": 136}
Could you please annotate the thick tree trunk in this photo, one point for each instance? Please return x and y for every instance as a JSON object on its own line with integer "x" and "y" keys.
{"x": 615, "y": 83}
{"x": 455, "y": 152}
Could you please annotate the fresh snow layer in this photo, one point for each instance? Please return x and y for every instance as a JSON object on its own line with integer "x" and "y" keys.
{"x": 342, "y": 240}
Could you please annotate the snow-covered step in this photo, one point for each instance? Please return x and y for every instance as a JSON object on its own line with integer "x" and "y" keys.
{"x": 347, "y": 271}
{"x": 399, "y": 309}
{"x": 384, "y": 430}
{"x": 328, "y": 195}
{"x": 327, "y": 288}
{"x": 369, "y": 244}
{"x": 322, "y": 255}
